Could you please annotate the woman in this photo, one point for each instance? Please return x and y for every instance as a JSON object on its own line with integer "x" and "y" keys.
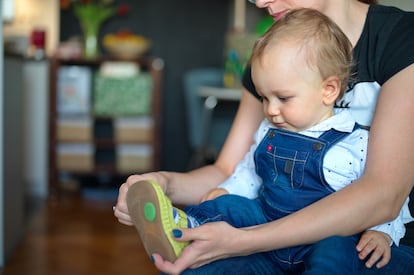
{"x": 387, "y": 71}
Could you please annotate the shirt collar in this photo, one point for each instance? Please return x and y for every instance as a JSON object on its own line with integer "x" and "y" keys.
{"x": 342, "y": 121}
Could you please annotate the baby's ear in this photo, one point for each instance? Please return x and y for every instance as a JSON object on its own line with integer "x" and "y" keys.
{"x": 331, "y": 89}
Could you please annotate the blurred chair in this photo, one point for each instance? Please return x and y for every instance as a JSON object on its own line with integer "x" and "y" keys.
{"x": 206, "y": 135}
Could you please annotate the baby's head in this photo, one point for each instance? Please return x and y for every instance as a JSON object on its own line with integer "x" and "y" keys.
{"x": 319, "y": 41}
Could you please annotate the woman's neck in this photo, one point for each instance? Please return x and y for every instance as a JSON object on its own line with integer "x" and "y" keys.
{"x": 350, "y": 16}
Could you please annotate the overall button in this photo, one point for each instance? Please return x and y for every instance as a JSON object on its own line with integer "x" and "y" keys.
{"x": 271, "y": 134}
{"x": 317, "y": 146}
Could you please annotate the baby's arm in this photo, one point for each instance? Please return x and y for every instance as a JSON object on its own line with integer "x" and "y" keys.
{"x": 244, "y": 181}
{"x": 376, "y": 246}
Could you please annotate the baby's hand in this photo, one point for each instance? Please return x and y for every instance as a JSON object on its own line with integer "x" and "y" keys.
{"x": 377, "y": 245}
{"x": 214, "y": 193}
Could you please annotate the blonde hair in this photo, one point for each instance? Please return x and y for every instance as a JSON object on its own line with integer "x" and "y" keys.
{"x": 326, "y": 47}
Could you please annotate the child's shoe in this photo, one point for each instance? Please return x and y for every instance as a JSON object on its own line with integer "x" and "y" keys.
{"x": 154, "y": 217}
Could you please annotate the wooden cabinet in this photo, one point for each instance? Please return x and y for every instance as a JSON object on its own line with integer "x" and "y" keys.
{"x": 108, "y": 141}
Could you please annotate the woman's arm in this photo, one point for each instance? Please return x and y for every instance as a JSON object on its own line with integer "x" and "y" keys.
{"x": 374, "y": 199}
{"x": 188, "y": 188}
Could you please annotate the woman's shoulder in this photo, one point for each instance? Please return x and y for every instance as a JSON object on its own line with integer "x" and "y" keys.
{"x": 388, "y": 19}
{"x": 387, "y": 41}
{"x": 386, "y": 10}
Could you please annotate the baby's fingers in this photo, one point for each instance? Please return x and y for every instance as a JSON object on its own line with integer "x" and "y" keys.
{"x": 365, "y": 249}
{"x": 386, "y": 256}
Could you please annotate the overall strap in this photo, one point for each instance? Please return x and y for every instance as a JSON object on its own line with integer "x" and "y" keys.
{"x": 332, "y": 136}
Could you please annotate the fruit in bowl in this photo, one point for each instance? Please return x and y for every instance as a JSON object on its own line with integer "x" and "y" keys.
{"x": 126, "y": 45}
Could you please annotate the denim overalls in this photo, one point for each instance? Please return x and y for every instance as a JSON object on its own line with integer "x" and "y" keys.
{"x": 291, "y": 166}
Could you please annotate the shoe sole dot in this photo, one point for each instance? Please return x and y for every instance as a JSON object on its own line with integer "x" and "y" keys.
{"x": 150, "y": 212}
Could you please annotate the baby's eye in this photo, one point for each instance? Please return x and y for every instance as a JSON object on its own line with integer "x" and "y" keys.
{"x": 284, "y": 98}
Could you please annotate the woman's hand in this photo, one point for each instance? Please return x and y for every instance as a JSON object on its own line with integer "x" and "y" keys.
{"x": 209, "y": 242}
{"x": 121, "y": 210}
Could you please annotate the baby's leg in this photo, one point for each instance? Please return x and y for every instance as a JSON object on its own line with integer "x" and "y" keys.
{"x": 334, "y": 255}
{"x": 233, "y": 209}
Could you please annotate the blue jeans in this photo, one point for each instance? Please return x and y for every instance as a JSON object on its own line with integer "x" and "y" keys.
{"x": 329, "y": 256}
{"x": 334, "y": 254}
{"x": 337, "y": 253}
{"x": 402, "y": 263}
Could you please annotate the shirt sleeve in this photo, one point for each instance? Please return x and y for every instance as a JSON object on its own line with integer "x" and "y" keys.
{"x": 344, "y": 163}
{"x": 244, "y": 181}
{"x": 398, "y": 53}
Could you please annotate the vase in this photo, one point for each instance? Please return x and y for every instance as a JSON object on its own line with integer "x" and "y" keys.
{"x": 90, "y": 43}
{"x": 90, "y": 17}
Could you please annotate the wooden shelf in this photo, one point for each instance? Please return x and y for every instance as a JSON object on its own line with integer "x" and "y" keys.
{"x": 152, "y": 65}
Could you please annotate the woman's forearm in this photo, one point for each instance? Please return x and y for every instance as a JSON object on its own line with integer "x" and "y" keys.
{"x": 345, "y": 212}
